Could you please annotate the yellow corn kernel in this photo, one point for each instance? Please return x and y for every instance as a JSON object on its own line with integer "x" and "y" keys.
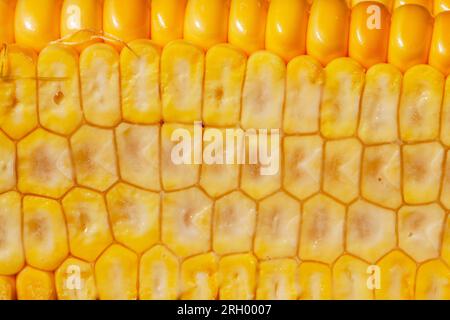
{"x": 199, "y": 278}
{"x": 186, "y": 222}
{"x": 44, "y": 164}
{"x": 440, "y": 49}
{"x": 139, "y": 78}
{"x": 420, "y": 104}
{"x": 44, "y": 233}
{"x": 237, "y": 277}
{"x": 445, "y": 188}
{"x": 397, "y": 277}
{"x": 59, "y": 100}
{"x": 158, "y": 275}
{"x": 302, "y": 165}
{"x": 87, "y": 223}
{"x": 433, "y": 281}
{"x": 7, "y": 288}
{"x": 314, "y": 281}
{"x": 134, "y": 216}
{"x": 304, "y": 83}
{"x": 100, "y": 86}
{"x": 85, "y": 15}
{"x": 138, "y": 150}
{"x": 380, "y": 98}
{"x": 381, "y": 175}
{"x": 322, "y": 230}
{"x": 350, "y": 279}
{"x": 328, "y": 29}
{"x": 445, "y": 245}
{"x": 277, "y": 228}
{"x": 206, "y": 22}
{"x": 11, "y": 251}
{"x": 422, "y": 172}
{"x": 7, "y": 19}
{"x": 116, "y": 273}
{"x": 234, "y": 224}
{"x": 277, "y": 280}
{"x": 247, "y": 24}
{"x": 286, "y": 27}
{"x": 409, "y": 43}
{"x": 167, "y": 20}
{"x": 178, "y": 168}
{"x": 420, "y": 229}
{"x": 94, "y": 157}
{"x": 386, "y": 3}
{"x": 8, "y": 163}
{"x": 440, "y": 6}
{"x": 217, "y": 178}
{"x": 34, "y": 284}
{"x": 259, "y": 180}
{"x": 74, "y": 280}
{"x": 18, "y": 94}
{"x": 224, "y": 77}
{"x": 427, "y": 4}
{"x": 263, "y": 93}
{"x": 128, "y": 20}
{"x": 369, "y": 33}
{"x": 342, "y": 169}
{"x": 341, "y": 96}
{"x": 182, "y": 67}
{"x": 370, "y": 231}
{"x": 37, "y": 23}
{"x": 445, "y": 115}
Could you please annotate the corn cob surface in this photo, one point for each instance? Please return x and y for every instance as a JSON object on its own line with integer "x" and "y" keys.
{"x": 92, "y": 205}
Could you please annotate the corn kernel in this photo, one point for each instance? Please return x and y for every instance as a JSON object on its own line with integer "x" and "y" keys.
{"x": 59, "y": 100}
{"x": 206, "y": 22}
{"x": 167, "y": 20}
{"x": 138, "y": 154}
{"x": 322, "y": 229}
{"x": 342, "y": 169}
{"x": 247, "y": 24}
{"x": 433, "y": 281}
{"x": 7, "y": 164}
{"x": 186, "y": 222}
{"x": 341, "y": 97}
{"x": 420, "y": 229}
{"x": 380, "y": 98}
{"x": 302, "y": 165}
{"x": 328, "y": 29}
{"x": 224, "y": 77}
{"x": 44, "y": 233}
{"x": 234, "y": 223}
{"x": 116, "y": 273}
{"x": 100, "y": 85}
{"x": 381, "y": 175}
{"x": 199, "y": 277}
{"x": 350, "y": 279}
{"x": 87, "y": 223}
{"x": 94, "y": 157}
{"x": 44, "y": 164}
{"x": 139, "y": 78}
{"x": 314, "y": 281}
{"x": 34, "y": 284}
{"x": 158, "y": 274}
{"x": 11, "y": 251}
{"x": 277, "y": 228}
{"x": 237, "y": 277}
{"x": 286, "y": 27}
{"x": 277, "y": 280}
{"x": 134, "y": 216}
{"x": 74, "y": 280}
{"x": 7, "y": 19}
{"x": 7, "y": 288}
{"x": 439, "y": 50}
{"x": 397, "y": 277}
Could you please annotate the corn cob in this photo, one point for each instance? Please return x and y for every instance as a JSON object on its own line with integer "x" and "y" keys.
{"x": 93, "y": 207}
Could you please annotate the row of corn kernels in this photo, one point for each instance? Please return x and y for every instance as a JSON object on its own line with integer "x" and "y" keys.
{"x": 326, "y": 30}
